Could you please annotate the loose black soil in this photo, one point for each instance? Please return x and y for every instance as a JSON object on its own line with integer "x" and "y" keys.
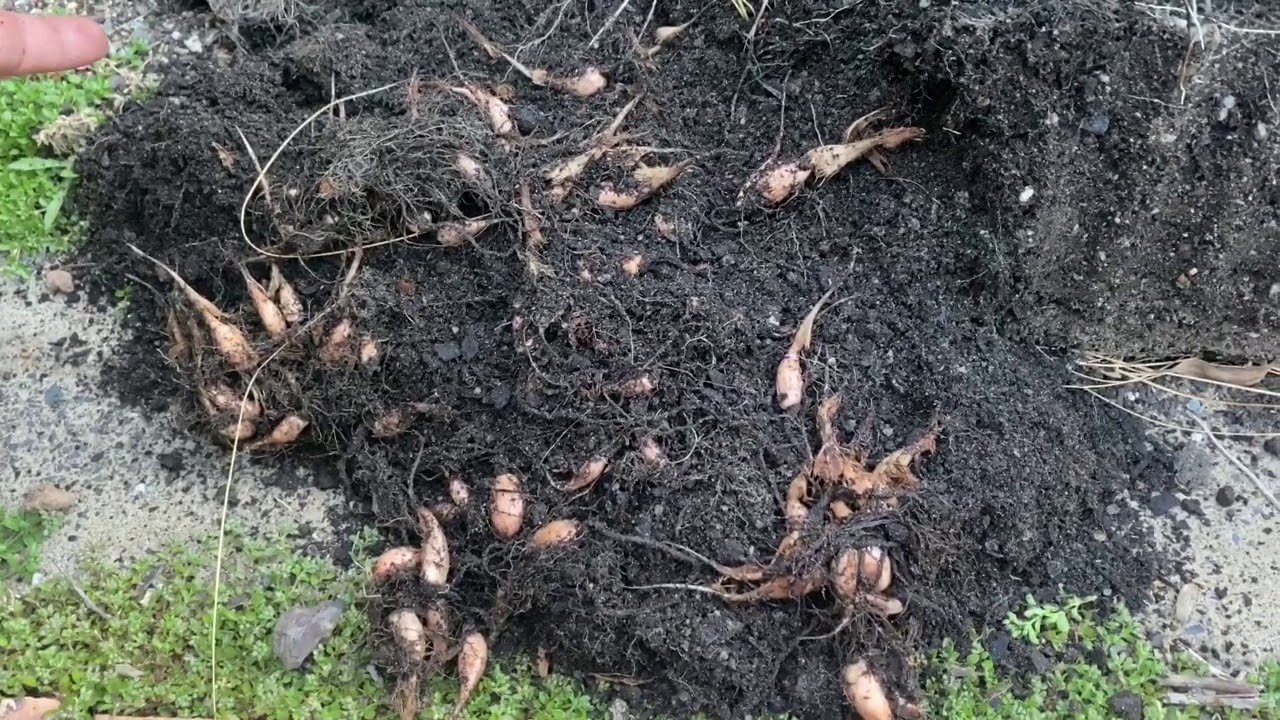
{"x": 1150, "y": 228}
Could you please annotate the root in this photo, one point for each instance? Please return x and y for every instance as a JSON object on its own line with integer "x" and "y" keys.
{"x": 675, "y": 550}
{"x": 609, "y": 23}
{"x": 587, "y": 83}
{"x": 266, "y": 180}
{"x": 534, "y": 237}
{"x": 563, "y": 176}
{"x": 681, "y": 586}
{"x": 230, "y": 341}
{"x": 261, "y": 178}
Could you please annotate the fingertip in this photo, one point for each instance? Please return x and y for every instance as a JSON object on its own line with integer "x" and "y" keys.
{"x": 84, "y": 40}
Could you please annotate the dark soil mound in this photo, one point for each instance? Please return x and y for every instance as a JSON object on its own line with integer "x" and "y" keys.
{"x": 945, "y": 274}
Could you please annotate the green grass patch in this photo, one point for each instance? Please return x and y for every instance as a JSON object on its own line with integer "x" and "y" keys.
{"x": 1113, "y": 657}
{"x": 22, "y": 532}
{"x": 152, "y": 656}
{"x": 44, "y": 122}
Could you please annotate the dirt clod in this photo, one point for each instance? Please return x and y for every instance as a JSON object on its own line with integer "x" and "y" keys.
{"x": 48, "y": 498}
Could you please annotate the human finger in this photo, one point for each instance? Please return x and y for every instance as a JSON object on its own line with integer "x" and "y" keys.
{"x": 32, "y": 44}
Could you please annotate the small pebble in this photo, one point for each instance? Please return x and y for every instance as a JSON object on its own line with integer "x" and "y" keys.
{"x": 1196, "y": 630}
{"x": 300, "y": 630}
{"x": 1272, "y": 445}
{"x": 1225, "y": 106}
{"x": 1027, "y": 193}
{"x": 1261, "y": 131}
{"x": 447, "y": 351}
{"x": 1188, "y": 596}
{"x": 48, "y": 498}
{"x": 1162, "y": 503}
{"x": 1192, "y": 506}
{"x": 54, "y": 395}
{"x": 1226, "y": 496}
{"x": 59, "y": 281}
{"x": 1098, "y": 125}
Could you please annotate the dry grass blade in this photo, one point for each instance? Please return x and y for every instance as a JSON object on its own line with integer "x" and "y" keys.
{"x": 1118, "y": 373}
{"x": 1161, "y": 423}
{"x": 1239, "y": 376}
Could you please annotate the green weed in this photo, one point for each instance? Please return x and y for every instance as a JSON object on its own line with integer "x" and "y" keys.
{"x": 1048, "y": 622}
{"x": 22, "y": 532}
{"x": 152, "y": 656}
{"x": 44, "y": 122}
{"x": 1113, "y": 658}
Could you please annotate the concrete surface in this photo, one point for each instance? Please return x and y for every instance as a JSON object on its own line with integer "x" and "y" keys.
{"x": 141, "y": 483}
{"x": 1225, "y": 605}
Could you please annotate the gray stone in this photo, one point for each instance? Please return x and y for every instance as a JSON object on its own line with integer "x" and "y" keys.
{"x": 1193, "y": 465}
{"x": 1225, "y": 106}
{"x": 54, "y": 395}
{"x": 301, "y": 630}
{"x": 1039, "y": 661}
{"x": 1226, "y": 496}
{"x": 1162, "y": 503}
{"x": 1098, "y": 125}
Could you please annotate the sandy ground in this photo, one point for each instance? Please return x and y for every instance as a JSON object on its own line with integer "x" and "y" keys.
{"x": 140, "y": 482}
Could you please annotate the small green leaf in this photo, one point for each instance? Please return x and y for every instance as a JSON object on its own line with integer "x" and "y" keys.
{"x": 54, "y": 207}
{"x": 39, "y": 163}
